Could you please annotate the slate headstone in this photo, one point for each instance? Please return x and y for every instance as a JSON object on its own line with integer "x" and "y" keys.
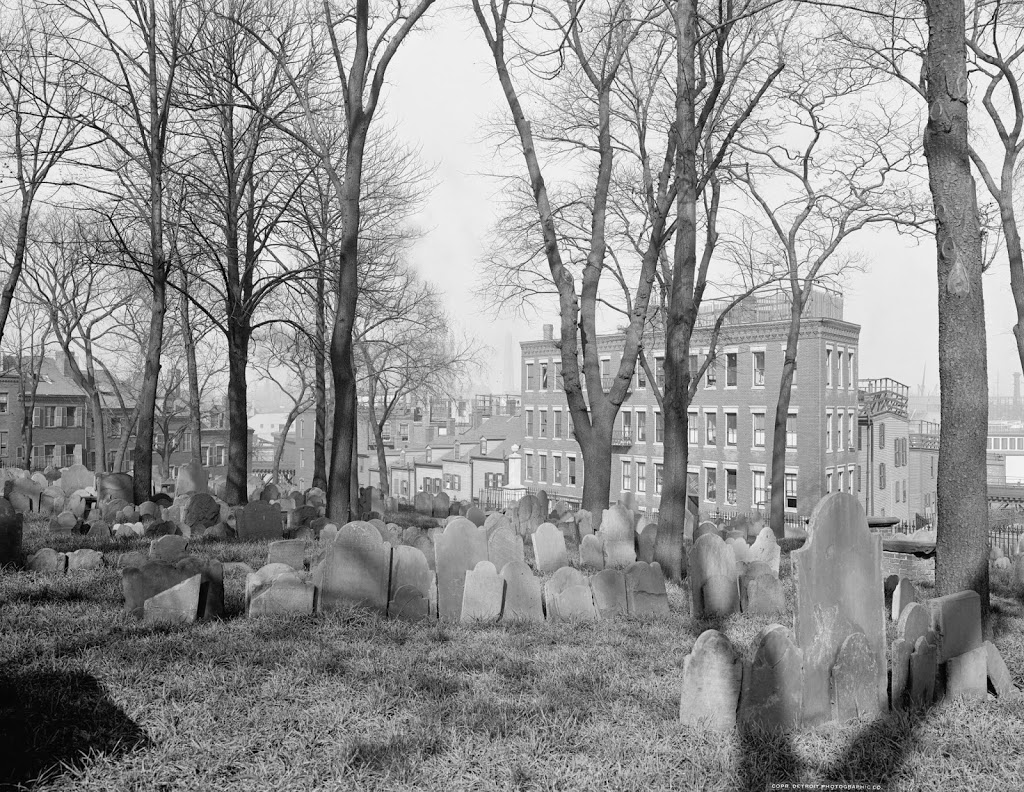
{"x": 766, "y": 549}
{"x": 47, "y": 561}
{"x": 457, "y": 551}
{"x": 483, "y": 594}
{"x": 567, "y": 597}
{"x": 178, "y": 604}
{"x": 967, "y": 675}
{"x": 141, "y": 583}
{"x": 258, "y": 520}
{"x": 618, "y": 554}
{"x": 75, "y": 478}
{"x": 409, "y": 604}
{"x": 504, "y": 546}
{"x": 168, "y": 548}
{"x": 617, "y": 524}
{"x": 355, "y": 570}
{"x": 902, "y": 595}
{"x": 645, "y": 590}
{"x": 763, "y": 594}
{"x": 645, "y": 540}
{"x": 609, "y": 587}
{"x": 957, "y": 620}
{"x": 924, "y": 668}
{"x": 549, "y": 548}
{"x": 855, "y": 681}
{"x": 522, "y": 593}
{"x": 84, "y": 558}
{"x": 288, "y": 551}
{"x": 409, "y": 568}
{"x": 284, "y": 597}
{"x": 712, "y": 674}
{"x": 592, "y": 552}
{"x": 772, "y": 686}
{"x": 998, "y": 674}
{"x": 712, "y": 561}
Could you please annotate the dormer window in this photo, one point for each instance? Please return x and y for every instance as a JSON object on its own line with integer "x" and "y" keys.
{"x": 483, "y": 445}
{"x": 430, "y": 454}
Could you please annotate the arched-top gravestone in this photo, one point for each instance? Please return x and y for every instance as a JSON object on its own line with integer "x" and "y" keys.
{"x": 504, "y": 546}
{"x": 456, "y": 551}
{"x": 483, "y": 594}
{"x": 270, "y": 492}
{"x": 711, "y": 683}
{"x": 355, "y": 570}
{"x": 259, "y": 520}
{"x": 541, "y": 506}
{"x": 766, "y": 549}
{"x": 114, "y": 486}
{"x": 424, "y": 503}
{"x": 549, "y": 548}
{"x": 714, "y": 587}
{"x": 409, "y": 567}
{"x": 838, "y": 592}
{"x": 617, "y": 524}
{"x": 476, "y": 515}
{"x": 75, "y": 478}
{"x": 645, "y": 590}
{"x": 441, "y": 504}
{"x": 522, "y": 593}
{"x": 191, "y": 478}
{"x": 772, "y": 687}
{"x": 609, "y": 587}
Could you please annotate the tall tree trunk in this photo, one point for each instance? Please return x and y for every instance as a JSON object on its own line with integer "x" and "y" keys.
{"x": 195, "y": 417}
{"x": 962, "y": 546}
{"x": 235, "y": 492}
{"x": 126, "y": 435}
{"x": 777, "y": 519}
{"x": 596, "y": 449}
{"x": 282, "y": 441}
{"x": 99, "y": 433}
{"x": 1015, "y": 257}
{"x": 320, "y": 356}
{"x": 21, "y": 242}
{"x": 669, "y": 549}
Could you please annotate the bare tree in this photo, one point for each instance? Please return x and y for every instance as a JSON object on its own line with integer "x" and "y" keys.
{"x": 24, "y": 350}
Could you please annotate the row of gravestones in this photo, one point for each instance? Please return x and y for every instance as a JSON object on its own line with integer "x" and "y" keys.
{"x": 726, "y": 577}
{"x": 832, "y": 665}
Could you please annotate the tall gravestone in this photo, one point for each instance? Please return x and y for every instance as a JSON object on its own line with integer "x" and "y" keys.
{"x": 549, "y": 548}
{"x": 714, "y": 585}
{"x": 457, "y": 551}
{"x": 355, "y": 570}
{"x": 772, "y": 689}
{"x": 409, "y": 568}
{"x": 609, "y": 587}
{"x": 712, "y": 673}
{"x": 504, "y": 546}
{"x": 839, "y": 592}
{"x": 483, "y": 594}
{"x": 522, "y": 593}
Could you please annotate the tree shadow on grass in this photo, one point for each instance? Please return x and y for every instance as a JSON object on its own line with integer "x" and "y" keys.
{"x": 51, "y": 721}
{"x": 879, "y": 750}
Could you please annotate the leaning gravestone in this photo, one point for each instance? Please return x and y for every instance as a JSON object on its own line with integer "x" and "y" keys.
{"x": 772, "y": 682}
{"x": 549, "y": 548}
{"x": 202, "y": 512}
{"x": 457, "y": 551}
{"x": 283, "y": 596}
{"x": 47, "y": 561}
{"x": 646, "y": 538}
{"x": 645, "y": 590}
{"x": 522, "y": 593}
{"x": 592, "y": 552}
{"x": 763, "y": 594}
{"x": 264, "y": 576}
{"x": 141, "y": 583}
{"x": 483, "y": 594}
{"x": 902, "y": 596}
{"x": 838, "y": 593}
{"x": 957, "y": 620}
{"x": 504, "y": 546}
{"x": 617, "y": 524}
{"x": 356, "y": 569}
{"x": 914, "y": 623}
{"x": 526, "y": 509}
{"x": 168, "y": 548}
{"x": 711, "y": 683}
{"x": 51, "y": 500}
{"x": 924, "y": 669}
{"x": 609, "y": 587}
{"x": 178, "y": 604}
{"x": 714, "y": 587}
{"x": 258, "y": 520}
{"x": 568, "y": 597}
{"x": 75, "y": 478}
{"x": 966, "y": 675}
{"x": 84, "y": 558}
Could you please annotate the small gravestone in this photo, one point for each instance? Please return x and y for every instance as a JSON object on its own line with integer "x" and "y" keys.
{"x": 98, "y": 529}
{"x": 284, "y": 597}
{"x": 409, "y": 604}
{"x": 191, "y": 478}
{"x": 11, "y": 530}
{"x": 902, "y": 596}
{"x": 168, "y": 548}
{"x": 705, "y": 528}
{"x": 854, "y": 681}
{"x": 766, "y": 549}
{"x": 178, "y": 604}
{"x": 424, "y": 503}
{"x": 302, "y": 517}
{"x": 891, "y": 582}
{"x": 203, "y": 511}
{"x": 763, "y": 594}
{"x": 838, "y": 592}
{"x": 998, "y": 674}
{"x": 84, "y": 558}
{"x": 504, "y": 546}
{"x": 258, "y": 520}
{"x": 142, "y": 583}
{"x": 286, "y": 505}
{"x": 154, "y": 529}
{"x": 617, "y": 524}
{"x": 457, "y": 551}
{"x": 899, "y": 676}
{"x": 772, "y": 682}
{"x": 957, "y": 620}
{"x": 645, "y": 590}
{"x": 111, "y": 509}
{"x": 51, "y": 500}
{"x": 409, "y": 569}
{"x": 712, "y": 674}
{"x": 497, "y": 520}
{"x": 914, "y": 623}
{"x": 75, "y": 478}
{"x": 47, "y": 561}
{"x": 543, "y": 506}
{"x": 609, "y": 587}
{"x": 257, "y": 581}
{"x": 967, "y": 675}
{"x": 526, "y": 509}
{"x": 924, "y": 669}
{"x": 426, "y": 546}
{"x": 287, "y": 551}
{"x": 549, "y": 548}
{"x": 271, "y": 492}
{"x": 522, "y": 593}
{"x": 568, "y": 597}
{"x": 618, "y": 554}
{"x": 584, "y": 523}
{"x": 328, "y": 533}
{"x": 712, "y": 574}
{"x": 592, "y": 552}
{"x": 355, "y": 570}
{"x": 741, "y": 552}
{"x": 483, "y": 594}
{"x": 645, "y": 540}
{"x": 476, "y": 515}
{"x": 64, "y": 522}
{"x": 116, "y": 486}
{"x": 441, "y": 504}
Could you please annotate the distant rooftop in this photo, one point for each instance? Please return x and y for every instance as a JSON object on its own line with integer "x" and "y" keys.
{"x": 772, "y": 306}
{"x": 877, "y": 396}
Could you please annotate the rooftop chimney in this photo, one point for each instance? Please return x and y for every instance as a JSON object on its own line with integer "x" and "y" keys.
{"x": 548, "y": 332}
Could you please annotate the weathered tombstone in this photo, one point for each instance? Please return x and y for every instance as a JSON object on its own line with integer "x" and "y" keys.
{"x": 705, "y": 528}
{"x": 584, "y": 523}
{"x": 592, "y": 552}
{"x": 902, "y": 596}
{"x": 47, "y": 561}
{"x": 476, "y": 515}
{"x": 286, "y": 505}
{"x": 609, "y": 587}
{"x": 645, "y": 540}
{"x": 51, "y": 500}
{"x": 526, "y": 508}
{"x": 924, "y": 669}
{"x": 356, "y": 569}
{"x": 424, "y": 503}
{"x": 410, "y": 535}
{"x": 542, "y": 507}
{"x": 203, "y": 511}
{"x": 168, "y": 548}
{"x": 957, "y": 620}
{"x": 141, "y": 583}
{"x": 839, "y": 592}
{"x": 11, "y": 530}
{"x": 287, "y": 551}
{"x": 483, "y": 594}
{"x": 75, "y": 478}
{"x": 111, "y": 510}
{"x": 549, "y": 548}
{"x": 522, "y": 593}
{"x": 98, "y": 529}
{"x": 712, "y": 578}
{"x": 855, "y": 681}
{"x": 116, "y": 486}
{"x": 409, "y": 604}
{"x": 712, "y": 674}
{"x": 84, "y": 558}
{"x": 409, "y": 569}
{"x": 297, "y": 498}
{"x": 271, "y": 492}
{"x": 772, "y": 686}
{"x": 504, "y": 546}
{"x": 457, "y": 551}
{"x": 191, "y": 478}
{"x": 64, "y": 522}
{"x": 258, "y": 520}
{"x": 441, "y": 504}
{"x": 741, "y": 552}
{"x": 259, "y": 580}
{"x": 766, "y": 549}
{"x": 302, "y": 517}
{"x": 178, "y": 604}
{"x": 497, "y": 520}
{"x": 967, "y": 675}
{"x": 763, "y": 594}
{"x": 645, "y": 590}
{"x": 568, "y": 597}
{"x": 425, "y": 545}
{"x": 283, "y": 597}
{"x": 617, "y": 524}
{"x": 998, "y": 674}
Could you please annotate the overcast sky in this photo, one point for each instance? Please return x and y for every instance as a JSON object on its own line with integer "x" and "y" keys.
{"x": 442, "y": 88}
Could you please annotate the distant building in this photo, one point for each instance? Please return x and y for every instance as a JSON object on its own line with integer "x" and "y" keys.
{"x": 731, "y": 417}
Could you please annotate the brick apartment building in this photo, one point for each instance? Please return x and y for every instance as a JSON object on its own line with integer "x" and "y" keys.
{"x": 730, "y": 418}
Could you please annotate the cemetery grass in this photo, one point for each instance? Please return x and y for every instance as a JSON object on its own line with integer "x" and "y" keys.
{"x": 93, "y": 700}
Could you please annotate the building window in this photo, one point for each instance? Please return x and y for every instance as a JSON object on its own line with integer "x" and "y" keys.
{"x": 4, "y": 451}
{"x": 851, "y": 420}
{"x": 828, "y": 368}
{"x": 850, "y": 379}
{"x": 186, "y": 441}
{"x": 758, "y": 430}
{"x": 840, "y": 373}
{"x": 543, "y": 467}
{"x": 710, "y": 484}
{"x": 49, "y": 416}
{"x": 758, "y": 368}
{"x": 904, "y": 491}
{"x": 627, "y": 425}
{"x": 556, "y": 464}
{"x": 760, "y": 491}
{"x": 791, "y": 430}
{"x": 710, "y": 428}
{"x": 529, "y": 423}
{"x": 403, "y": 431}
{"x": 828, "y": 430}
{"x": 641, "y": 426}
{"x": 881, "y": 436}
{"x": 543, "y": 376}
{"x": 692, "y": 486}
{"x": 570, "y": 470}
{"x": 692, "y": 428}
{"x": 839, "y": 481}
{"x": 931, "y": 466}
{"x": 483, "y": 446}
{"x": 828, "y": 483}
{"x": 659, "y": 473}
{"x": 115, "y": 428}
{"x": 543, "y": 423}
{"x": 694, "y": 365}
{"x": 529, "y": 466}
{"x": 447, "y": 480}
{"x": 710, "y": 376}
{"x": 730, "y": 428}
{"x": 222, "y": 455}
{"x": 529, "y": 376}
{"x": 4, "y": 399}
{"x": 606, "y": 365}
{"x": 849, "y": 479}
{"x": 641, "y": 377}
{"x": 659, "y": 371}
{"x": 204, "y": 452}
{"x": 627, "y": 475}
{"x": 641, "y": 477}
{"x": 730, "y": 487}
{"x": 791, "y": 490}
{"x": 839, "y": 429}
{"x": 730, "y": 369}
{"x": 881, "y": 475}
{"x": 71, "y": 416}
{"x": 659, "y": 428}
{"x": 557, "y": 428}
